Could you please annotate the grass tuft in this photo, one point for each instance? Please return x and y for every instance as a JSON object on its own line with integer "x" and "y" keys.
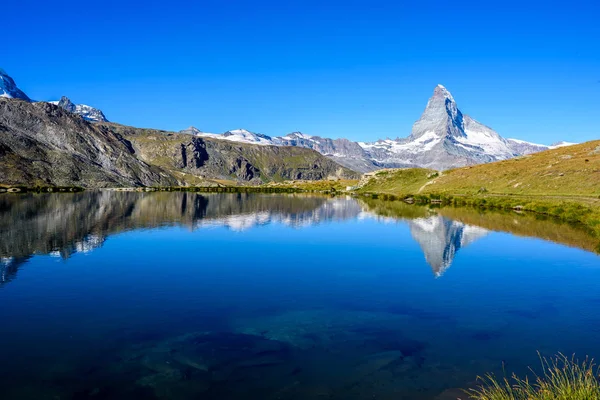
{"x": 560, "y": 378}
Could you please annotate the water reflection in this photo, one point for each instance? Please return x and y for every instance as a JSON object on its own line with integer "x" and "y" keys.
{"x": 440, "y": 238}
{"x": 64, "y": 224}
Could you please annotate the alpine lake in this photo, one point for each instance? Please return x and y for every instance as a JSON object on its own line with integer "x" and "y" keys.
{"x": 128, "y": 295}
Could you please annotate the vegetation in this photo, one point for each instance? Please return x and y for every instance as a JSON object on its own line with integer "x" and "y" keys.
{"x": 337, "y": 185}
{"x": 561, "y": 378}
{"x": 399, "y": 182}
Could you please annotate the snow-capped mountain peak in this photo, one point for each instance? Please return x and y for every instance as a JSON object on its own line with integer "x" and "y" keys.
{"x": 192, "y": 130}
{"x": 441, "y": 90}
{"x": 9, "y": 89}
{"x": 89, "y": 113}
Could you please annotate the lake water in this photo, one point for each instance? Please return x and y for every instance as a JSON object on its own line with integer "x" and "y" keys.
{"x": 113, "y": 295}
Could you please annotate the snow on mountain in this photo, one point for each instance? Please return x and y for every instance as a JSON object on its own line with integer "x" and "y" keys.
{"x": 236, "y": 135}
{"x": 561, "y": 144}
{"x": 521, "y": 147}
{"x": 192, "y": 130}
{"x": 9, "y": 89}
{"x": 87, "y": 112}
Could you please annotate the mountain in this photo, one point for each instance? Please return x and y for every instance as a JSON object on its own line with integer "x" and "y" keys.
{"x": 9, "y": 89}
{"x": 87, "y": 112}
{"x": 343, "y": 151}
{"x": 522, "y": 147}
{"x": 42, "y": 144}
{"x": 227, "y": 157}
{"x": 441, "y": 139}
{"x": 236, "y": 135}
{"x": 561, "y": 144}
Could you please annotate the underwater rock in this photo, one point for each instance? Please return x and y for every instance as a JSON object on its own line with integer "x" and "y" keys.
{"x": 207, "y": 363}
{"x": 378, "y": 361}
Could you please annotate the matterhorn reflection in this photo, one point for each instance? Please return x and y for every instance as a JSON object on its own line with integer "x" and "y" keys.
{"x": 440, "y": 238}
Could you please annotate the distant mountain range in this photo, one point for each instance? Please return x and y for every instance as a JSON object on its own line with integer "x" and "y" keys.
{"x": 442, "y": 138}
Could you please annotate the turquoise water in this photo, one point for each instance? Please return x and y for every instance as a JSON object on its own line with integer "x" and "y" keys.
{"x": 110, "y": 295}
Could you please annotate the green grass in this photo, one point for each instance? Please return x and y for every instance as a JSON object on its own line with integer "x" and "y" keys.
{"x": 314, "y": 186}
{"x": 560, "y": 378}
{"x": 399, "y": 182}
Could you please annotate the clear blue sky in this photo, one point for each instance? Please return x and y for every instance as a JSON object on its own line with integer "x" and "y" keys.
{"x": 357, "y": 69}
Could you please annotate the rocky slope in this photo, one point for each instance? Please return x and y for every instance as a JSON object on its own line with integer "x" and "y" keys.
{"x": 197, "y": 157}
{"x": 42, "y": 144}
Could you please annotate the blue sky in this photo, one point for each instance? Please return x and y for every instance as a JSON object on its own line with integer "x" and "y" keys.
{"x": 357, "y": 69}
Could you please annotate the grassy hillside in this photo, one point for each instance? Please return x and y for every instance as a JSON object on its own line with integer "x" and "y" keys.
{"x": 567, "y": 171}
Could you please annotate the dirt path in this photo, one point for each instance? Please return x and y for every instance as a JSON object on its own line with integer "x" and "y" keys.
{"x": 430, "y": 182}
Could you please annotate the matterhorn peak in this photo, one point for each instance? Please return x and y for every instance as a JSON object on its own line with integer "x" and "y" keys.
{"x": 440, "y": 90}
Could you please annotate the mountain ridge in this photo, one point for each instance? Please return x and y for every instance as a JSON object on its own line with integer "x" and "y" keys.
{"x": 442, "y": 138}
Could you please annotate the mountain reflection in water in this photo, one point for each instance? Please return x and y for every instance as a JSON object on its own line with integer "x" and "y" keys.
{"x": 63, "y": 224}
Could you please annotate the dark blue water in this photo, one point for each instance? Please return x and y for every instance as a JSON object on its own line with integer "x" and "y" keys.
{"x": 221, "y": 296}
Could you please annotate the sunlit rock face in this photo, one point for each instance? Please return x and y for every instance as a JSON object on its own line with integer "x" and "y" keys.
{"x": 440, "y": 238}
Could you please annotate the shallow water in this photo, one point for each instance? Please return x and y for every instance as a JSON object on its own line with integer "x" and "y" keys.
{"x": 111, "y": 295}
